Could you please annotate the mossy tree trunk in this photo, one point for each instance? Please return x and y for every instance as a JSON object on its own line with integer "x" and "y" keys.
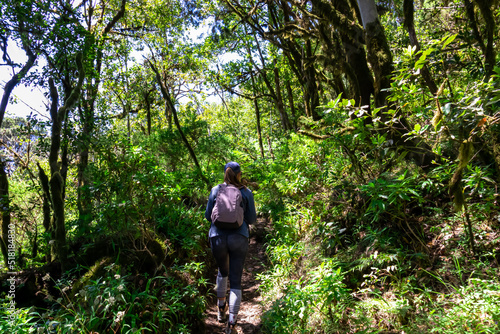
{"x": 408, "y": 10}
{"x": 56, "y": 182}
{"x": 380, "y": 59}
{"x": 485, "y": 7}
{"x": 257, "y": 115}
{"x": 5, "y": 209}
{"x": 87, "y": 112}
{"x": 343, "y": 38}
{"x": 379, "y": 54}
{"x": 44, "y": 182}
{"x": 311, "y": 94}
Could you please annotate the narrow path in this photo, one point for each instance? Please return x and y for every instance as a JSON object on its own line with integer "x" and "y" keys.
{"x": 251, "y": 310}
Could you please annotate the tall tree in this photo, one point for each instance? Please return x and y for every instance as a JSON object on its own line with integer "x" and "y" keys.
{"x": 5, "y": 208}
{"x": 170, "y": 103}
{"x": 273, "y": 90}
{"x": 57, "y": 182}
{"x": 485, "y": 7}
{"x": 175, "y": 61}
{"x": 379, "y": 54}
{"x": 16, "y": 23}
{"x": 35, "y": 26}
{"x": 409, "y": 23}
{"x": 100, "y": 20}
{"x": 274, "y": 23}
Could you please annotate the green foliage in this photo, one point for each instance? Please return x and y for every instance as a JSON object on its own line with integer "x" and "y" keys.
{"x": 339, "y": 186}
{"x": 479, "y": 183}
{"x": 332, "y": 235}
{"x": 390, "y": 197}
{"x": 186, "y": 228}
{"x": 22, "y": 321}
{"x": 474, "y": 309}
{"x": 120, "y": 304}
{"x": 306, "y": 301}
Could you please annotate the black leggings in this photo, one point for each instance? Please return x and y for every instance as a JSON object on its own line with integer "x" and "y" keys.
{"x": 230, "y": 252}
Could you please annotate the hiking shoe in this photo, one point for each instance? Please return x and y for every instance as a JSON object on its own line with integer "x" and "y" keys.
{"x": 221, "y": 313}
{"x": 231, "y": 328}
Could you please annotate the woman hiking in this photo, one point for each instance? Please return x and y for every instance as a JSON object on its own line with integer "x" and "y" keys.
{"x": 230, "y": 209}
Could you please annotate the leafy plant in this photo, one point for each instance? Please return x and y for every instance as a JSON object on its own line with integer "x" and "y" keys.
{"x": 390, "y": 197}
{"x": 305, "y": 302}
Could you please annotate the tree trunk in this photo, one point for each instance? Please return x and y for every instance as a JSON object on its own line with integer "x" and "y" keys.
{"x": 469, "y": 9}
{"x": 170, "y": 104}
{"x": 301, "y": 61}
{"x": 380, "y": 58}
{"x": 5, "y": 208}
{"x": 87, "y": 116}
{"x": 285, "y": 123}
{"x": 311, "y": 98}
{"x": 408, "y": 11}
{"x": 57, "y": 182}
{"x": 490, "y": 26}
{"x": 83, "y": 192}
{"x": 148, "y": 111}
{"x": 64, "y": 157}
{"x": 350, "y": 41}
{"x": 379, "y": 54}
{"x": 168, "y": 115}
{"x": 292, "y": 105}
{"x": 44, "y": 182}
{"x": 126, "y": 110}
{"x": 257, "y": 116}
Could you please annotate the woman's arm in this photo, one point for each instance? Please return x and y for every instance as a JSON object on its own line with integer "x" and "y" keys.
{"x": 250, "y": 213}
{"x": 211, "y": 202}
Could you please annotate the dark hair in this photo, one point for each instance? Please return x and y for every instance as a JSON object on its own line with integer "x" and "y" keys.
{"x": 230, "y": 177}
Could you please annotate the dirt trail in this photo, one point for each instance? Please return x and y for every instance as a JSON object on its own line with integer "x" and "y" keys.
{"x": 251, "y": 310}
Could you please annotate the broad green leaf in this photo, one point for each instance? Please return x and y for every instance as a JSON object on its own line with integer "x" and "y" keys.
{"x": 449, "y": 39}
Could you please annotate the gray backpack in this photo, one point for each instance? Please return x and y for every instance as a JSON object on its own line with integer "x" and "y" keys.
{"x": 228, "y": 209}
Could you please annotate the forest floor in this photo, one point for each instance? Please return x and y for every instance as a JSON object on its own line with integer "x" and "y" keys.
{"x": 251, "y": 309}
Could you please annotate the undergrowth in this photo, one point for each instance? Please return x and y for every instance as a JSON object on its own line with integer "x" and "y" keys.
{"x": 173, "y": 302}
{"x": 388, "y": 255}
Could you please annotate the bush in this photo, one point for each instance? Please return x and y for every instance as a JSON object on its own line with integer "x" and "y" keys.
{"x": 307, "y": 302}
{"x": 170, "y": 303}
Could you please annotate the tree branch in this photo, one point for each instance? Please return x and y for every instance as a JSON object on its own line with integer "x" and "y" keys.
{"x": 16, "y": 78}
